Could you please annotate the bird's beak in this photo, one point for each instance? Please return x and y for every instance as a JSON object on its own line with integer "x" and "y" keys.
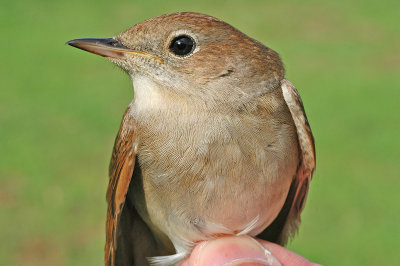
{"x": 108, "y": 47}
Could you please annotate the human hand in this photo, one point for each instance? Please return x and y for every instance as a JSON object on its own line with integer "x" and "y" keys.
{"x": 244, "y": 251}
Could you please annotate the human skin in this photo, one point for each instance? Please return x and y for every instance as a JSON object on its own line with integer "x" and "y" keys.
{"x": 242, "y": 250}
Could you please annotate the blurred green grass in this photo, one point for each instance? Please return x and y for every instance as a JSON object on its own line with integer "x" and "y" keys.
{"x": 60, "y": 110}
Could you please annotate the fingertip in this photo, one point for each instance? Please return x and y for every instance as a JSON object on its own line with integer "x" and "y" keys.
{"x": 286, "y": 256}
{"x": 230, "y": 251}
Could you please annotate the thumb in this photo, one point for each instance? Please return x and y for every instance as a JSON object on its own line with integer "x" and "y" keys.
{"x": 232, "y": 251}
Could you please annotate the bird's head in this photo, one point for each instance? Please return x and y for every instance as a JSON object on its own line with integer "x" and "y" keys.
{"x": 192, "y": 55}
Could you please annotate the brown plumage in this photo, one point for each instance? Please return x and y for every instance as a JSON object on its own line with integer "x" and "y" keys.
{"x": 216, "y": 141}
{"x": 121, "y": 170}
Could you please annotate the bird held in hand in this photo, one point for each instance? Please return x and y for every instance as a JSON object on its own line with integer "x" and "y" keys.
{"x": 215, "y": 142}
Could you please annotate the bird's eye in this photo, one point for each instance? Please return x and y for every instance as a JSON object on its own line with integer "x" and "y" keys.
{"x": 182, "y": 45}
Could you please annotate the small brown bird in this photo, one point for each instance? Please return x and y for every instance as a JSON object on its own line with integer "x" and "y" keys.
{"x": 215, "y": 142}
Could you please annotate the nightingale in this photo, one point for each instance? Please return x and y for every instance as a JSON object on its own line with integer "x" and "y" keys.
{"x": 215, "y": 141}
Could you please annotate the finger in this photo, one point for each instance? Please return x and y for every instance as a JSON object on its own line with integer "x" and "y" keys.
{"x": 232, "y": 251}
{"x": 285, "y": 256}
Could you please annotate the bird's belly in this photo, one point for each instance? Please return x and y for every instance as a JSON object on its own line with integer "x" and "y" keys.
{"x": 218, "y": 208}
{"x": 198, "y": 182}
{"x": 249, "y": 211}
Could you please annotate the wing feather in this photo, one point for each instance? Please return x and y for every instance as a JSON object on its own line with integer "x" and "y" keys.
{"x": 307, "y": 155}
{"x": 287, "y": 221}
{"x": 120, "y": 173}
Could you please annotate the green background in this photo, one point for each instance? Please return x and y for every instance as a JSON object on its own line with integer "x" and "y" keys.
{"x": 60, "y": 109}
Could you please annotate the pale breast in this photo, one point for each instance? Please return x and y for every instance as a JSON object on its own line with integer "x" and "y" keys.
{"x": 205, "y": 173}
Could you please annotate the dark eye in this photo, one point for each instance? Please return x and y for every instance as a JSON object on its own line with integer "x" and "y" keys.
{"x": 182, "y": 45}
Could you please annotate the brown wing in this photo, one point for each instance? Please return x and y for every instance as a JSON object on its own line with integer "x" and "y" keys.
{"x": 121, "y": 170}
{"x": 285, "y": 225}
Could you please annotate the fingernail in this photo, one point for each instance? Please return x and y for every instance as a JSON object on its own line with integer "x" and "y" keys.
{"x": 236, "y": 251}
{"x": 249, "y": 262}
